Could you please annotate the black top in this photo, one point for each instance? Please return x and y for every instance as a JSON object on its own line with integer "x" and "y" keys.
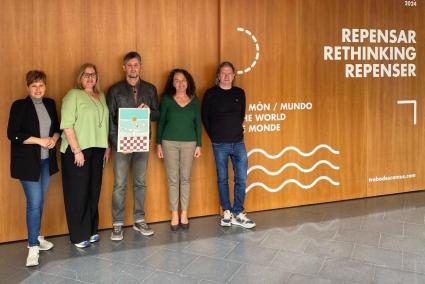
{"x": 120, "y": 95}
{"x": 24, "y": 123}
{"x": 223, "y": 113}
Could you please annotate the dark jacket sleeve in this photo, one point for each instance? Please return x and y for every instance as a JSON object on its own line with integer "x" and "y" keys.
{"x": 54, "y": 118}
{"x": 113, "y": 117}
{"x": 154, "y": 105}
{"x": 14, "y": 127}
{"x": 243, "y": 106}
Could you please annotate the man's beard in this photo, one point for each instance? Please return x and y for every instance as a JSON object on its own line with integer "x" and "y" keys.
{"x": 131, "y": 76}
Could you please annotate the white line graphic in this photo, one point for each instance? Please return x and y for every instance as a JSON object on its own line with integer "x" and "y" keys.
{"x": 405, "y": 102}
{"x": 286, "y": 182}
{"x": 257, "y": 49}
{"x": 293, "y": 148}
{"x": 295, "y": 165}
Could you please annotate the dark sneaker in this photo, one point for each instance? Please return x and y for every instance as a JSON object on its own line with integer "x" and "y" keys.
{"x": 143, "y": 228}
{"x": 117, "y": 233}
{"x": 243, "y": 221}
{"x": 226, "y": 221}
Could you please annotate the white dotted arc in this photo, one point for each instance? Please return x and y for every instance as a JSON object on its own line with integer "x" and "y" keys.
{"x": 257, "y": 49}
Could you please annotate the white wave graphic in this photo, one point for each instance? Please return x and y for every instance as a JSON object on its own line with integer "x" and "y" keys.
{"x": 293, "y": 148}
{"x": 286, "y": 182}
{"x": 295, "y": 165}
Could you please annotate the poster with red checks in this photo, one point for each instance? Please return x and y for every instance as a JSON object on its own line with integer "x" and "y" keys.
{"x": 133, "y": 130}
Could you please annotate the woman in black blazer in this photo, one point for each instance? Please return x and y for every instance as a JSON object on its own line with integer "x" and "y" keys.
{"x": 33, "y": 131}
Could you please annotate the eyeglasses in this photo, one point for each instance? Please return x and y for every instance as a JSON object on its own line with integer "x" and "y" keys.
{"x": 89, "y": 75}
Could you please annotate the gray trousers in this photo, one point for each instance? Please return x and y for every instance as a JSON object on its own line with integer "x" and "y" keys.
{"x": 121, "y": 163}
{"x": 178, "y": 157}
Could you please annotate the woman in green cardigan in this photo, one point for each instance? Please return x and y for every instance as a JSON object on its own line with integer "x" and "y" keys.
{"x": 179, "y": 140}
{"x": 84, "y": 152}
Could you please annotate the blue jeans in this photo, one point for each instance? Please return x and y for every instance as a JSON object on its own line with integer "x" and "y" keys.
{"x": 35, "y": 191}
{"x": 237, "y": 153}
{"x": 121, "y": 164}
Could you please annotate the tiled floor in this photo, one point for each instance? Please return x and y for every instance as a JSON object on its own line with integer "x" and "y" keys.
{"x": 375, "y": 240}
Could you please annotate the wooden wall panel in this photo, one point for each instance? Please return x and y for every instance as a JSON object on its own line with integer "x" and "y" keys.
{"x": 360, "y": 117}
{"x": 16, "y": 58}
{"x": 291, "y": 35}
{"x": 394, "y": 141}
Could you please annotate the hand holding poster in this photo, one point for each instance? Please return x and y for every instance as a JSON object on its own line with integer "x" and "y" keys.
{"x": 133, "y": 130}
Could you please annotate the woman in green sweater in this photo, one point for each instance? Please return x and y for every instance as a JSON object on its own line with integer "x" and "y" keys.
{"x": 179, "y": 140}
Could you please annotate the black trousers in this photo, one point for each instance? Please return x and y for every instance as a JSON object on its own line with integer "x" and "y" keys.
{"x": 81, "y": 191}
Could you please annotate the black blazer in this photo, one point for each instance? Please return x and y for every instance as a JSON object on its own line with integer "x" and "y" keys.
{"x": 23, "y": 123}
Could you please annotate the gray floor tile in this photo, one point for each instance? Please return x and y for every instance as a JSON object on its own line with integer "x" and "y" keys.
{"x": 318, "y": 230}
{"x": 340, "y": 242}
{"x": 414, "y": 230}
{"x": 291, "y": 241}
{"x": 347, "y": 223}
{"x": 253, "y": 254}
{"x": 330, "y": 248}
{"x": 347, "y": 270}
{"x": 378, "y": 256}
{"x": 203, "y": 281}
{"x": 414, "y": 262}
{"x": 39, "y": 277}
{"x": 298, "y": 262}
{"x": 238, "y": 234}
{"x": 159, "y": 277}
{"x": 358, "y": 236}
{"x": 212, "y": 269}
{"x": 170, "y": 261}
{"x": 415, "y": 216}
{"x": 405, "y": 244}
{"x": 86, "y": 268}
{"x": 214, "y": 247}
{"x": 176, "y": 246}
{"x": 134, "y": 256}
{"x": 303, "y": 279}
{"x": 397, "y": 215}
{"x": 251, "y": 273}
{"x": 390, "y": 276}
{"x": 382, "y": 226}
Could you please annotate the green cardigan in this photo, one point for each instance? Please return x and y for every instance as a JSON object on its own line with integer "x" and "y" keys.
{"x": 178, "y": 123}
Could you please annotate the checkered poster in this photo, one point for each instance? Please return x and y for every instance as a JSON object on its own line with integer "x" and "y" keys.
{"x": 133, "y": 130}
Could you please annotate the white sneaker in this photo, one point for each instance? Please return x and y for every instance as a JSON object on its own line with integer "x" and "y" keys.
{"x": 32, "y": 259}
{"x": 83, "y": 244}
{"x": 44, "y": 245}
{"x": 243, "y": 221}
{"x": 227, "y": 218}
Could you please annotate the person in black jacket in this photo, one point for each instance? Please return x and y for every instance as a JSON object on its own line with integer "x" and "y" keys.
{"x": 33, "y": 131}
{"x": 133, "y": 92}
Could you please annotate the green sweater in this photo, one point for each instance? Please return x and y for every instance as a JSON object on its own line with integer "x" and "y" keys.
{"x": 178, "y": 123}
{"x": 88, "y": 117}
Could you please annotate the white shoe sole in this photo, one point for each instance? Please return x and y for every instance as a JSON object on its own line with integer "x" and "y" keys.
{"x": 224, "y": 224}
{"x": 29, "y": 264}
{"x": 117, "y": 238}
{"x": 243, "y": 225}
